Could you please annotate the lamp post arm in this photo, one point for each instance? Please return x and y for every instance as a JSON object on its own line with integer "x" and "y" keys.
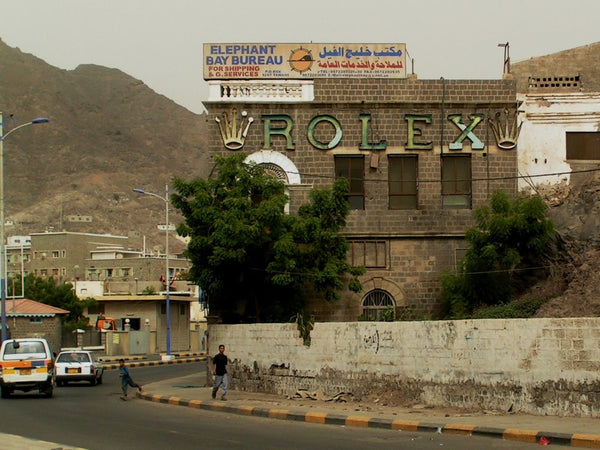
{"x": 167, "y": 278}
{"x": 152, "y": 194}
{"x": 3, "y": 270}
{"x": 23, "y": 125}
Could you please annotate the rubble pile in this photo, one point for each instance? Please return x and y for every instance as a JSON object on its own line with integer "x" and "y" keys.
{"x": 575, "y": 210}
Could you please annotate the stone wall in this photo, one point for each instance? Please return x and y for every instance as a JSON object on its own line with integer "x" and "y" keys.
{"x": 49, "y": 328}
{"x": 536, "y": 366}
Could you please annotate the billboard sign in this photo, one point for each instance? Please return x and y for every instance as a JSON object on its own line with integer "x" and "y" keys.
{"x": 303, "y": 61}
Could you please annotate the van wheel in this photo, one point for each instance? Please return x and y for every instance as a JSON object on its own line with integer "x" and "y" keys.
{"x": 93, "y": 381}
{"x": 5, "y": 392}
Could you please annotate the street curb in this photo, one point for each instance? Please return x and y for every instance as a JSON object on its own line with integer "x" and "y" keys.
{"x": 156, "y": 363}
{"x": 510, "y": 434}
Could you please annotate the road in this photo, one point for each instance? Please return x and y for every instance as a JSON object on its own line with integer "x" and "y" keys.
{"x": 95, "y": 418}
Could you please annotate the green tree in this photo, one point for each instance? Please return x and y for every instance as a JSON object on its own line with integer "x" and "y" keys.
{"x": 507, "y": 249}
{"x": 59, "y": 295}
{"x": 253, "y": 261}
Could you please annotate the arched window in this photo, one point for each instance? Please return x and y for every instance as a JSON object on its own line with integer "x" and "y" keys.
{"x": 278, "y": 165}
{"x": 275, "y": 170}
{"x": 376, "y": 303}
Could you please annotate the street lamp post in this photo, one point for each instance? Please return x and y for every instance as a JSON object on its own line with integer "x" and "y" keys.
{"x": 167, "y": 279}
{"x": 2, "y": 234}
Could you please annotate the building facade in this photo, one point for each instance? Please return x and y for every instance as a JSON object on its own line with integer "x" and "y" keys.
{"x": 559, "y": 97}
{"x": 72, "y": 257}
{"x": 128, "y": 284}
{"x": 420, "y": 156}
{"x": 26, "y": 318}
{"x": 149, "y": 313}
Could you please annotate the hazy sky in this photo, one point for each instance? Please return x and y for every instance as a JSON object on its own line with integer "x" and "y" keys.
{"x": 160, "y": 41}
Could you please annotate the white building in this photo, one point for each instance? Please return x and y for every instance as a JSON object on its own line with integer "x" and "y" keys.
{"x": 559, "y": 112}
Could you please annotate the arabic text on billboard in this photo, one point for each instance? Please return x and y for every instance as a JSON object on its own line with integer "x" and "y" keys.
{"x": 303, "y": 61}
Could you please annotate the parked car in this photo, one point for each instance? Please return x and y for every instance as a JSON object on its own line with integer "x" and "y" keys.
{"x": 78, "y": 365}
{"x": 25, "y": 365}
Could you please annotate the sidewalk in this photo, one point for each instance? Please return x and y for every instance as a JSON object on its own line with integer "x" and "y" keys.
{"x": 15, "y": 442}
{"x": 191, "y": 391}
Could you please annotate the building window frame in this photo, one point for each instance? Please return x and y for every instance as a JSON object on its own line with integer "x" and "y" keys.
{"x": 457, "y": 189}
{"x": 352, "y": 167}
{"x": 376, "y": 303}
{"x": 582, "y": 145}
{"x": 368, "y": 253}
{"x": 402, "y": 182}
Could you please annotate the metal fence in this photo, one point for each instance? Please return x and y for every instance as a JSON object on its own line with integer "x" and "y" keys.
{"x": 89, "y": 338}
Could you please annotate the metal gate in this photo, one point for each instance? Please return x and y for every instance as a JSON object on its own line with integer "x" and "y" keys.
{"x": 139, "y": 342}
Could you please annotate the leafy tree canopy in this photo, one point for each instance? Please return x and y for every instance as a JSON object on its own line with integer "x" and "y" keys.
{"x": 59, "y": 295}
{"x": 507, "y": 249}
{"x": 253, "y": 261}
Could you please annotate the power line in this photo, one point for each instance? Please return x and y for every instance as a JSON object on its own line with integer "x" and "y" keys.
{"x": 513, "y": 177}
{"x": 483, "y": 272}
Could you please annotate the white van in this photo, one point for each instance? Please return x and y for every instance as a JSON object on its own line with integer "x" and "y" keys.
{"x": 26, "y": 364}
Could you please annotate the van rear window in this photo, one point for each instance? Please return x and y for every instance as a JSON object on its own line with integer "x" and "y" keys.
{"x": 27, "y": 349}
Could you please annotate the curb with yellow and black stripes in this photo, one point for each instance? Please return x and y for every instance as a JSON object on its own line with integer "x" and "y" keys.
{"x": 112, "y": 363}
{"x": 513, "y": 434}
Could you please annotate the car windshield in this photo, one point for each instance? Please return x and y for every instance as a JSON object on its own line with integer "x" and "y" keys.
{"x": 73, "y": 358}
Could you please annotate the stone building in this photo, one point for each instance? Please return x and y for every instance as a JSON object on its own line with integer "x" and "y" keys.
{"x": 69, "y": 257}
{"x": 420, "y": 156}
{"x": 128, "y": 283}
{"x": 28, "y": 318}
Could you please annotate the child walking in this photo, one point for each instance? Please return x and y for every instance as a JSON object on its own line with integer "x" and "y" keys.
{"x": 126, "y": 380}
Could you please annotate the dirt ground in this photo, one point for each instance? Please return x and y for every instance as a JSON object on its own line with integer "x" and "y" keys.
{"x": 575, "y": 210}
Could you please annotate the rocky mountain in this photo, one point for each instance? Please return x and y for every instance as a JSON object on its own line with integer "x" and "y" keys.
{"x": 108, "y": 133}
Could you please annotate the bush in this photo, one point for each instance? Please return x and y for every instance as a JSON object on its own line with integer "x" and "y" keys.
{"x": 518, "y": 309}
{"x": 507, "y": 247}
{"x": 455, "y": 304}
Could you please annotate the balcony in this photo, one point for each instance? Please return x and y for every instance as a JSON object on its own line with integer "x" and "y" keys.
{"x": 261, "y": 91}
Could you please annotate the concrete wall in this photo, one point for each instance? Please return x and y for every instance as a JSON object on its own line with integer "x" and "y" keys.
{"x": 537, "y": 366}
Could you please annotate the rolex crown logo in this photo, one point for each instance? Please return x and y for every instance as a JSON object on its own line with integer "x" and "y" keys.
{"x": 232, "y": 133}
{"x": 506, "y": 130}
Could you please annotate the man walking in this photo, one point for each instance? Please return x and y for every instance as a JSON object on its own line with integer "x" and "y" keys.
{"x": 219, "y": 370}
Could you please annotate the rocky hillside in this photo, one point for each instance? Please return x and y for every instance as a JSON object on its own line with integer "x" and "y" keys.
{"x": 108, "y": 133}
{"x": 575, "y": 209}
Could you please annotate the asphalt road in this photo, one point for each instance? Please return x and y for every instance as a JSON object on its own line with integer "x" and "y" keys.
{"x": 80, "y": 415}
